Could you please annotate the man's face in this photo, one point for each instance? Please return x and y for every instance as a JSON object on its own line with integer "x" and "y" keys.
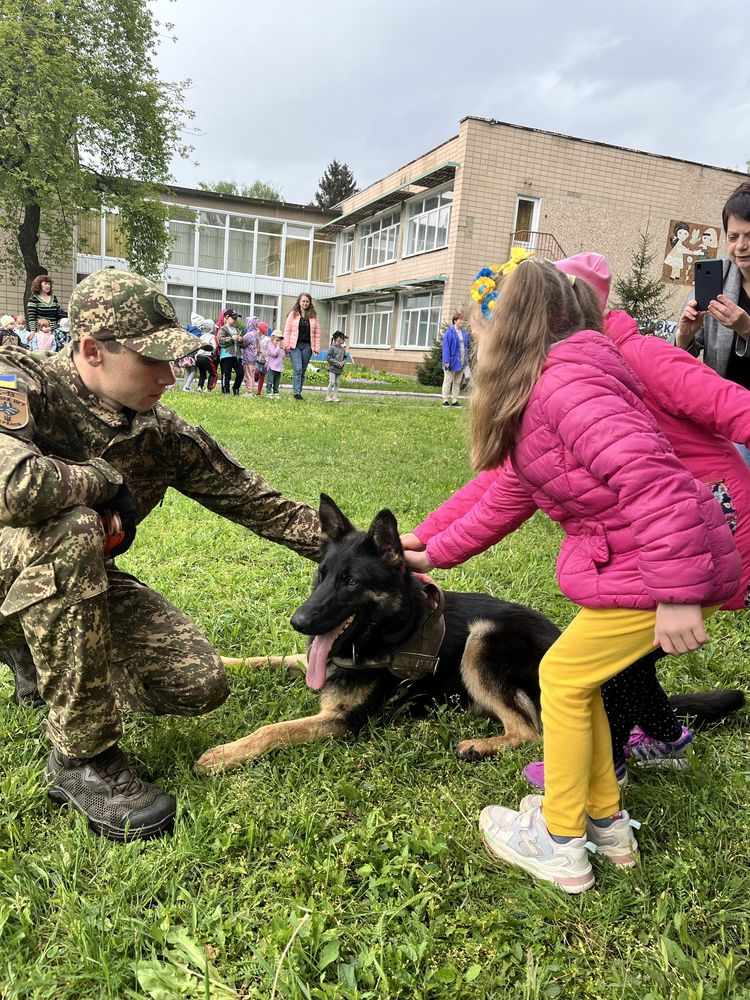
{"x": 125, "y": 379}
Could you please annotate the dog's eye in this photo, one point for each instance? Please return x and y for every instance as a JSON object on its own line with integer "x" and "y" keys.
{"x": 352, "y": 583}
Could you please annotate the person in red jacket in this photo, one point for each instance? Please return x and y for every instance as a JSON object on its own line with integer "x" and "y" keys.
{"x": 558, "y": 411}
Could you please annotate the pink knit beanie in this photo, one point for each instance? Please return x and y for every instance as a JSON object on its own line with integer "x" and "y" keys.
{"x": 593, "y": 268}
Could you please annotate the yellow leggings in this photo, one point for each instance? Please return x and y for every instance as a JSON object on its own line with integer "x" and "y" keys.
{"x": 579, "y": 775}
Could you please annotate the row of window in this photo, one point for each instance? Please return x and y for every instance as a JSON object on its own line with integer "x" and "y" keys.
{"x": 207, "y": 302}
{"x": 368, "y": 324}
{"x": 218, "y": 241}
{"x": 427, "y": 223}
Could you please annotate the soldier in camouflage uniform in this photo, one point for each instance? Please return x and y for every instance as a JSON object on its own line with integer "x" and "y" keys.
{"x": 82, "y": 432}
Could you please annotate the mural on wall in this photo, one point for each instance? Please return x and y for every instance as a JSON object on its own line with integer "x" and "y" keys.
{"x": 687, "y": 242}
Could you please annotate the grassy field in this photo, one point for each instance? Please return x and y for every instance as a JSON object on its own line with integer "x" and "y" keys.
{"x": 353, "y": 869}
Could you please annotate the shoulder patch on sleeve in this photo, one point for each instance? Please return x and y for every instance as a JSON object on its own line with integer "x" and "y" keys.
{"x": 14, "y": 407}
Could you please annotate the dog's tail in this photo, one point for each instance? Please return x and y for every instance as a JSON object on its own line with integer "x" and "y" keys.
{"x": 707, "y": 706}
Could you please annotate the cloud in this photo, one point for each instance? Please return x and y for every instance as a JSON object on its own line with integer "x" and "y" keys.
{"x": 280, "y": 92}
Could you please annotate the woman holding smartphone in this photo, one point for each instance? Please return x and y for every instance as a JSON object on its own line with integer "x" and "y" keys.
{"x": 722, "y": 331}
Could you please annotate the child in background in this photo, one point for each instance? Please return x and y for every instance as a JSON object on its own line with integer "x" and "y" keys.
{"x": 19, "y": 321}
{"x": 230, "y": 353}
{"x": 205, "y": 359}
{"x": 62, "y": 333}
{"x": 275, "y": 355}
{"x": 558, "y": 410}
{"x": 260, "y": 361}
{"x": 336, "y": 362}
{"x": 43, "y": 339}
{"x": 250, "y": 345}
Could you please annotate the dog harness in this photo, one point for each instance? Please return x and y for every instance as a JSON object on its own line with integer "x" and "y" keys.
{"x": 418, "y": 656}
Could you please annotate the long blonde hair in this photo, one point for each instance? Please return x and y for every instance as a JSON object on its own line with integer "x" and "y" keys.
{"x": 536, "y": 308}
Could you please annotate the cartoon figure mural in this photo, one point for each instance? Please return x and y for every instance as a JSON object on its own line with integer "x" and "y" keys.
{"x": 687, "y": 243}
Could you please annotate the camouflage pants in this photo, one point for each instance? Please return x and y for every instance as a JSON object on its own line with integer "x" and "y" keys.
{"x": 101, "y": 640}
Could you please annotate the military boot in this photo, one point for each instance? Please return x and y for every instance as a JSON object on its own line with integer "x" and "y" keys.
{"x": 22, "y": 667}
{"x": 108, "y": 792}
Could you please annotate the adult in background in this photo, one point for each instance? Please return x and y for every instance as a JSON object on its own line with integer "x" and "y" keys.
{"x": 723, "y": 330}
{"x": 88, "y": 437}
{"x": 301, "y": 339}
{"x": 455, "y": 359}
{"x": 230, "y": 353}
{"x": 43, "y": 303}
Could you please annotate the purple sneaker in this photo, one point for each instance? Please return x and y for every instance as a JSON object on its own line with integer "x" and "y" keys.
{"x": 648, "y": 752}
{"x": 534, "y": 773}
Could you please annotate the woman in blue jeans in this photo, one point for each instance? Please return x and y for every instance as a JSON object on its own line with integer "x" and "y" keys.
{"x": 301, "y": 339}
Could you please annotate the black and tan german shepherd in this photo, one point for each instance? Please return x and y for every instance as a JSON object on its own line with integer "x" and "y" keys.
{"x": 381, "y": 635}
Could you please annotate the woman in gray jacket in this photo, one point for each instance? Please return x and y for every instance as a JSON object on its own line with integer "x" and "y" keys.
{"x": 722, "y": 332}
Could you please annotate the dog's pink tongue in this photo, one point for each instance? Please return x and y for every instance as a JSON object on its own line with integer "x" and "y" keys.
{"x": 317, "y": 658}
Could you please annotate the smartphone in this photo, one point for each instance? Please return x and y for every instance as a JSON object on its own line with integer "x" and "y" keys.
{"x": 709, "y": 281}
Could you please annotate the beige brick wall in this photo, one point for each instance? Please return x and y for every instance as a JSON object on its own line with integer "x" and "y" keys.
{"x": 593, "y": 197}
{"x": 12, "y": 285}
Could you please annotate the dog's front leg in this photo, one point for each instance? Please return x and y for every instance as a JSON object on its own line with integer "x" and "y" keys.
{"x": 228, "y": 756}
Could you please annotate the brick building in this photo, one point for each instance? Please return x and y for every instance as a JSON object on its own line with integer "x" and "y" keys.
{"x": 409, "y": 245}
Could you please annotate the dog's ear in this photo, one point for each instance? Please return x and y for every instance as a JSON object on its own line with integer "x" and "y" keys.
{"x": 333, "y": 523}
{"x": 383, "y": 534}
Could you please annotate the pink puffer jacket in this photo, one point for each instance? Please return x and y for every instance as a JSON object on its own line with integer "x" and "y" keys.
{"x": 639, "y": 528}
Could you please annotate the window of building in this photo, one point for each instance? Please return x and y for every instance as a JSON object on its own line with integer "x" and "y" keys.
{"x": 429, "y": 222}
{"x": 115, "y": 241}
{"x": 297, "y": 252}
{"x": 346, "y": 245}
{"x": 378, "y": 240}
{"x": 211, "y": 239}
{"x": 182, "y": 234}
{"x": 269, "y": 248}
{"x": 372, "y": 323}
{"x": 241, "y": 244}
{"x": 322, "y": 261}
{"x": 420, "y": 319}
{"x": 341, "y": 317}
{"x": 241, "y": 302}
{"x": 181, "y": 297}
{"x": 90, "y": 233}
{"x": 266, "y": 307}
{"x": 527, "y": 221}
{"x": 208, "y": 302}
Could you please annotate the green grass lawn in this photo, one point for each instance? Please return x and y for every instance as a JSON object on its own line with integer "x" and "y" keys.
{"x": 353, "y": 869}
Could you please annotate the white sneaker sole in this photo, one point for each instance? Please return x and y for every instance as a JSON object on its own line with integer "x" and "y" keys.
{"x": 571, "y": 884}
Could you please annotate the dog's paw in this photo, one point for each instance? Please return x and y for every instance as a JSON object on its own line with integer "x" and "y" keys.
{"x": 470, "y": 752}
{"x": 215, "y": 761}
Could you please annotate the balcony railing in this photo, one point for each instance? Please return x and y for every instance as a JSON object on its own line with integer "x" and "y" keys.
{"x": 542, "y": 244}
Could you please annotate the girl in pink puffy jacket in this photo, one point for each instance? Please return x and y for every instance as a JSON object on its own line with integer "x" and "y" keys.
{"x": 559, "y": 425}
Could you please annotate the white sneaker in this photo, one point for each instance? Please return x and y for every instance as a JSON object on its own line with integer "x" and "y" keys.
{"x": 615, "y": 842}
{"x": 522, "y": 839}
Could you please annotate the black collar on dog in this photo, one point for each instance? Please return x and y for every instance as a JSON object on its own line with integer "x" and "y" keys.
{"x": 418, "y": 656}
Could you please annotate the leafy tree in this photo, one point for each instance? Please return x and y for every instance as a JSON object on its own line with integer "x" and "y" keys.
{"x": 258, "y": 189}
{"x": 336, "y": 184}
{"x": 430, "y": 371}
{"x": 639, "y": 295}
{"x": 85, "y": 124}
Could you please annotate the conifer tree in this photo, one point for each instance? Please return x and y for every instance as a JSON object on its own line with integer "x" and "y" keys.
{"x": 336, "y": 184}
{"x": 641, "y": 296}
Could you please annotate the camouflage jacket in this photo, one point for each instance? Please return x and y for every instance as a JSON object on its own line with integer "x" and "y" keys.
{"x": 60, "y": 446}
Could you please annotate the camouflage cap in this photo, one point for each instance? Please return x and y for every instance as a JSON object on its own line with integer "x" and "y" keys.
{"x": 122, "y": 306}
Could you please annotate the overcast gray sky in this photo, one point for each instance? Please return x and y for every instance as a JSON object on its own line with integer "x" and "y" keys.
{"x": 280, "y": 89}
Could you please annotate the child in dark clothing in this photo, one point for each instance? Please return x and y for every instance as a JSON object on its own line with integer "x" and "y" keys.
{"x": 336, "y": 362}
